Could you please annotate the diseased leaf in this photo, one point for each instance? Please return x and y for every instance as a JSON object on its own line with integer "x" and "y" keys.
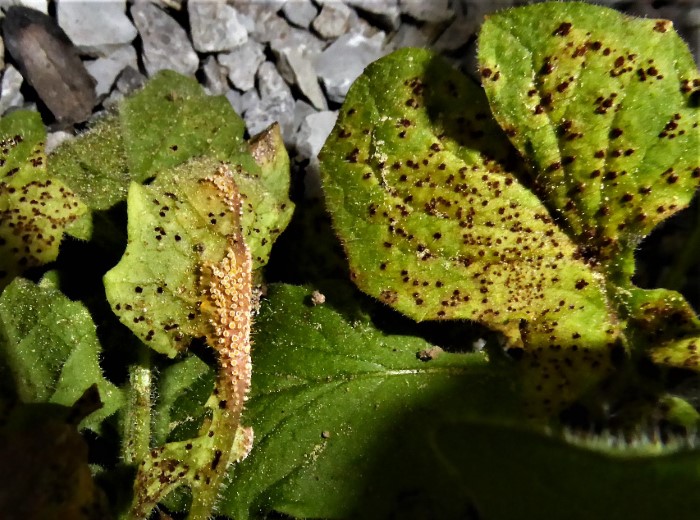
{"x": 435, "y": 223}
{"x": 51, "y": 347}
{"x": 172, "y": 121}
{"x": 548, "y": 477}
{"x": 35, "y": 208}
{"x": 186, "y": 276}
{"x": 177, "y": 225}
{"x": 341, "y": 411}
{"x": 603, "y": 106}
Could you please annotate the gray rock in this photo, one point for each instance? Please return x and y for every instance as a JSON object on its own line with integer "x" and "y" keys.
{"x": 215, "y": 26}
{"x": 56, "y": 72}
{"x": 300, "y": 12}
{"x": 298, "y": 39}
{"x": 234, "y": 97}
{"x": 105, "y": 70}
{"x": 39, "y": 5}
{"x": 268, "y": 111}
{"x": 313, "y": 132}
{"x": 408, "y": 35}
{"x": 333, "y": 20}
{"x": 276, "y": 103}
{"x": 95, "y": 31}
{"x": 271, "y": 84}
{"x": 304, "y": 75}
{"x": 54, "y": 139}
{"x": 341, "y": 63}
{"x": 457, "y": 34}
{"x": 130, "y": 80}
{"x": 268, "y": 26}
{"x": 384, "y": 12}
{"x": 10, "y": 96}
{"x": 248, "y": 101}
{"x": 427, "y": 11}
{"x": 165, "y": 42}
{"x": 301, "y": 110}
{"x": 112, "y": 100}
{"x": 214, "y": 77}
{"x": 242, "y": 64}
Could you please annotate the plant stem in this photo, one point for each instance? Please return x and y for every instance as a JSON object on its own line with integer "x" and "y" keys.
{"x": 137, "y": 420}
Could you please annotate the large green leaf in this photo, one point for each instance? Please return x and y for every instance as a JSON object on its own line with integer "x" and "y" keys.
{"x": 35, "y": 207}
{"x": 51, "y": 347}
{"x": 605, "y": 108}
{"x": 528, "y": 475}
{"x": 420, "y": 184}
{"x": 341, "y": 411}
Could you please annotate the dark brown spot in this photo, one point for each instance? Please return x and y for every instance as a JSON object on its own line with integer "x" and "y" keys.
{"x": 562, "y": 30}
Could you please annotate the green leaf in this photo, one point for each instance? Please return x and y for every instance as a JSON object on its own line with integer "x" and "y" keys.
{"x": 94, "y": 164}
{"x": 547, "y": 477}
{"x": 51, "y": 347}
{"x": 173, "y": 120}
{"x": 182, "y": 392}
{"x": 341, "y": 410}
{"x": 420, "y": 184}
{"x": 605, "y": 108}
{"x": 35, "y": 207}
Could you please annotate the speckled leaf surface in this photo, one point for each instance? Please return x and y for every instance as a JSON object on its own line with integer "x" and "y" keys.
{"x": 605, "y": 108}
{"x": 35, "y": 208}
{"x": 51, "y": 347}
{"x": 423, "y": 193}
{"x": 341, "y": 411}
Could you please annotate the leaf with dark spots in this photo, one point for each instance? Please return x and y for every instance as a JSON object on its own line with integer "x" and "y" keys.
{"x": 186, "y": 275}
{"x": 35, "y": 207}
{"x": 665, "y": 327}
{"x": 50, "y": 63}
{"x": 176, "y": 225}
{"x": 616, "y": 105}
{"x": 443, "y": 229}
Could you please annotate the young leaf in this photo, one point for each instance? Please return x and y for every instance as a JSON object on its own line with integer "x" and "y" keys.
{"x": 435, "y": 223}
{"x": 186, "y": 275}
{"x": 605, "y": 107}
{"x": 51, "y": 347}
{"x": 35, "y": 207}
{"x": 341, "y": 410}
